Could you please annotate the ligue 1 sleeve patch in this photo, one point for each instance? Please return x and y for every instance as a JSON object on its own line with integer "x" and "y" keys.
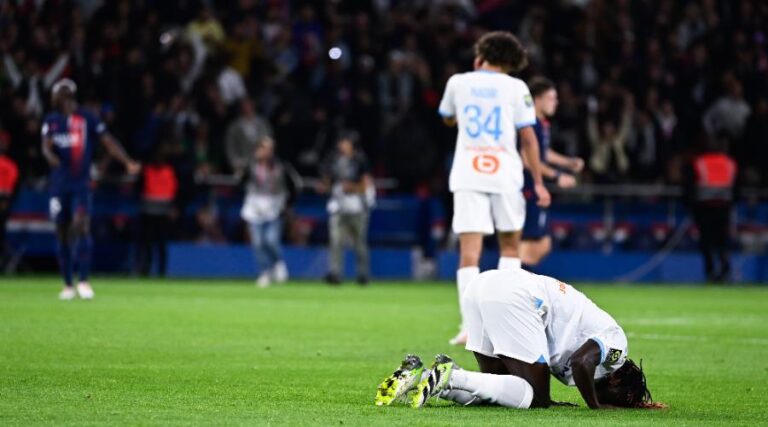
{"x": 528, "y": 101}
{"x": 613, "y": 355}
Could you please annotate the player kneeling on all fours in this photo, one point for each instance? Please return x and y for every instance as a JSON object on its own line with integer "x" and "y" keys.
{"x": 522, "y": 327}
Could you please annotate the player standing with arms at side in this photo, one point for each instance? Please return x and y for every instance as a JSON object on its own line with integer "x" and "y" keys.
{"x": 490, "y": 108}
{"x": 69, "y": 135}
{"x": 536, "y": 242}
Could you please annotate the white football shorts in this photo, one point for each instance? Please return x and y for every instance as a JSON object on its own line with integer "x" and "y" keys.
{"x": 502, "y": 319}
{"x": 477, "y": 212}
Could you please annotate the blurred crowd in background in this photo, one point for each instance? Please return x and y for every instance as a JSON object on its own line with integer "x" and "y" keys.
{"x": 639, "y": 81}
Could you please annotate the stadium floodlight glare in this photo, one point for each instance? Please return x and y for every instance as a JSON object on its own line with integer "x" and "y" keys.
{"x": 334, "y": 53}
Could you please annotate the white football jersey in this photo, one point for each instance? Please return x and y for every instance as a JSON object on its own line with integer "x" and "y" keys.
{"x": 489, "y": 108}
{"x": 571, "y": 319}
{"x": 536, "y": 318}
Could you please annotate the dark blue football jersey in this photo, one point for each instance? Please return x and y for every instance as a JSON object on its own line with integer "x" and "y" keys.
{"x": 74, "y": 138}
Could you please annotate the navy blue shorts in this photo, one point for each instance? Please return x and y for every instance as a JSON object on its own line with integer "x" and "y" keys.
{"x": 66, "y": 205}
{"x": 536, "y": 220}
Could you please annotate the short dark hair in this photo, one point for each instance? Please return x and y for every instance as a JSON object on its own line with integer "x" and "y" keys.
{"x": 625, "y": 387}
{"x": 502, "y": 49}
{"x": 540, "y": 84}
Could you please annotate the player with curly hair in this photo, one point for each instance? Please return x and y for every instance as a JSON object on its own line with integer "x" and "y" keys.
{"x": 522, "y": 328}
{"x": 490, "y": 108}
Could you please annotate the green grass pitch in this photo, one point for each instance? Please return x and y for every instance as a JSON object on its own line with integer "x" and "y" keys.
{"x": 171, "y": 352}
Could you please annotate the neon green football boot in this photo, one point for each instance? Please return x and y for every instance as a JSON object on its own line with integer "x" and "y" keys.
{"x": 404, "y": 379}
{"x": 435, "y": 381}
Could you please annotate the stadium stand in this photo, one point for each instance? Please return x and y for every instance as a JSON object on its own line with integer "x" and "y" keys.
{"x": 176, "y": 73}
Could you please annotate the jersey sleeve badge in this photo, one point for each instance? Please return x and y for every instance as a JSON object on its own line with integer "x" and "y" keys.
{"x": 613, "y": 355}
{"x": 528, "y": 101}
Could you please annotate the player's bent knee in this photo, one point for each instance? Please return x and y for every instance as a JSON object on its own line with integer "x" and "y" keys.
{"x": 490, "y": 365}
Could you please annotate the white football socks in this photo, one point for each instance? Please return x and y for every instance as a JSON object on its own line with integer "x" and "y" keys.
{"x": 462, "y": 397}
{"x": 464, "y": 276}
{"x": 504, "y": 390}
{"x": 509, "y": 263}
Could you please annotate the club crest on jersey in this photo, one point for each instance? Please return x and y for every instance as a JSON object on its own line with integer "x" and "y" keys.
{"x": 613, "y": 355}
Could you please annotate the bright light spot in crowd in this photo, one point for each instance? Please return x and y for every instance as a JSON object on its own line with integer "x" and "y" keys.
{"x": 166, "y": 38}
{"x": 334, "y": 53}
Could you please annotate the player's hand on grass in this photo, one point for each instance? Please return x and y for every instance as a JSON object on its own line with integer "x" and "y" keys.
{"x": 543, "y": 195}
{"x": 566, "y": 181}
{"x": 653, "y": 405}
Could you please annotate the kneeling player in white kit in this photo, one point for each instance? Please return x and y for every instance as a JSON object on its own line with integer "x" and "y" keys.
{"x": 490, "y": 108}
{"x": 522, "y": 327}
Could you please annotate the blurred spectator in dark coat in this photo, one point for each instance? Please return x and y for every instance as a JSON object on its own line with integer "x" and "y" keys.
{"x": 243, "y": 135}
{"x": 609, "y": 161}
